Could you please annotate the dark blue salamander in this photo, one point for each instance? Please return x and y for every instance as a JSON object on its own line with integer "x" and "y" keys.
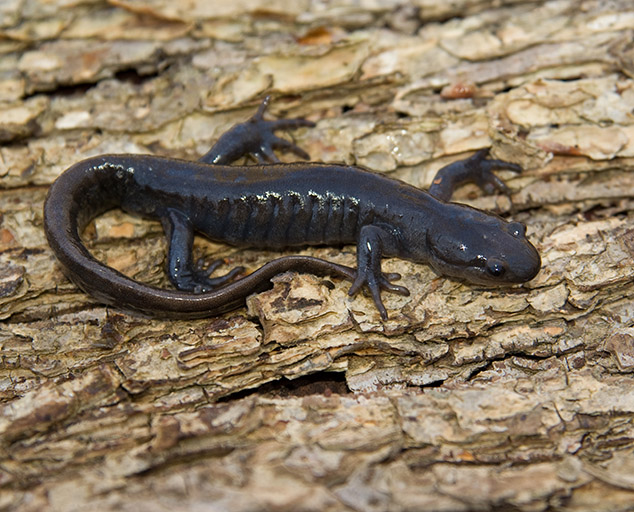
{"x": 275, "y": 205}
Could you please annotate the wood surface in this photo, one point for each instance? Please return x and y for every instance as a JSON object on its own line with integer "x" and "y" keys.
{"x": 468, "y": 398}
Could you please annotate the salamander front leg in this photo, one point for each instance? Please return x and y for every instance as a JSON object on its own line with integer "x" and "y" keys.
{"x": 182, "y": 272}
{"x": 370, "y": 247}
{"x": 256, "y": 137}
{"x": 476, "y": 169}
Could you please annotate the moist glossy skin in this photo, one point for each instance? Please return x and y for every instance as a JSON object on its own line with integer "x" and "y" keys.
{"x": 275, "y": 206}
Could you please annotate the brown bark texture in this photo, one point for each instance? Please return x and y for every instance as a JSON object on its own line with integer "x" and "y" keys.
{"x": 467, "y": 398}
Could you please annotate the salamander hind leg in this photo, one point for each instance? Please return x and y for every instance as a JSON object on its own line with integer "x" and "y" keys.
{"x": 203, "y": 272}
{"x": 183, "y": 273}
{"x": 256, "y": 137}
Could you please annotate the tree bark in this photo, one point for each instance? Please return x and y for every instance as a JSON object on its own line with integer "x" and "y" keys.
{"x": 467, "y": 398}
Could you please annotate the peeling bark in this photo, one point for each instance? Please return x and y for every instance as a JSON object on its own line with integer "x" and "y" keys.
{"x": 467, "y": 398}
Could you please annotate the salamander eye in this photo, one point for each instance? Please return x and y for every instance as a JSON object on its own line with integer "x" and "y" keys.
{"x": 495, "y": 268}
{"x": 517, "y": 229}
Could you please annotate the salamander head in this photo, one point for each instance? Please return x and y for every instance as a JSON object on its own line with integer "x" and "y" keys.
{"x": 482, "y": 248}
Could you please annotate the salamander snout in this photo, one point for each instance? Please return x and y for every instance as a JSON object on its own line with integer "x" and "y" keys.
{"x": 519, "y": 267}
{"x": 483, "y": 249}
{"x": 521, "y": 261}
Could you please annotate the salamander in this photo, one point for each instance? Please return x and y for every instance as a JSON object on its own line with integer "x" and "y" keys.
{"x": 276, "y": 205}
